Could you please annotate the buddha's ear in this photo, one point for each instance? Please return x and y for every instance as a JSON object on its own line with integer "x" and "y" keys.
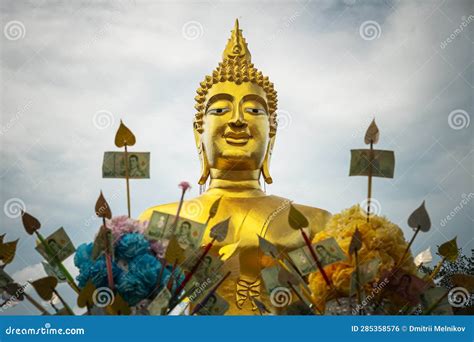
{"x": 266, "y": 161}
{"x": 202, "y": 157}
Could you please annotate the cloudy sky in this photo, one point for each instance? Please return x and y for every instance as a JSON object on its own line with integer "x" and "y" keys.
{"x": 70, "y": 72}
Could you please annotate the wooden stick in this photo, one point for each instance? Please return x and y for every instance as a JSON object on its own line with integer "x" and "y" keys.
{"x": 402, "y": 259}
{"x": 127, "y": 180}
{"x": 359, "y": 296}
{"x": 180, "y": 205}
{"x": 369, "y": 185}
{"x": 36, "y": 304}
{"x": 318, "y": 263}
{"x": 437, "y": 269}
{"x": 108, "y": 258}
{"x": 66, "y": 306}
{"x": 70, "y": 279}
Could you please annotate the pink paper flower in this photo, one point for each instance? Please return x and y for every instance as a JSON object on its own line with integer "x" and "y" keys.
{"x": 184, "y": 185}
{"x": 159, "y": 248}
{"x": 121, "y": 225}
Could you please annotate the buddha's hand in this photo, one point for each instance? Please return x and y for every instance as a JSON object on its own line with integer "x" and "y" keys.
{"x": 246, "y": 289}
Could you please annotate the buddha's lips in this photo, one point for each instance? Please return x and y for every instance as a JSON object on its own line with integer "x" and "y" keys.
{"x": 240, "y": 138}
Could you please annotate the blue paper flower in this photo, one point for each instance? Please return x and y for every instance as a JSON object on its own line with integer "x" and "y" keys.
{"x": 131, "y": 245}
{"x": 82, "y": 258}
{"x": 146, "y": 268}
{"x": 98, "y": 272}
{"x": 132, "y": 289}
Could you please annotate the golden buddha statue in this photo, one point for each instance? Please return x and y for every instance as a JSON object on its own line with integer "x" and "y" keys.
{"x": 234, "y": 129}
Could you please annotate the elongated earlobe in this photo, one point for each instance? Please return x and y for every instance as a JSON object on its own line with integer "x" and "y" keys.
{"x": 266, "y": 163}
{"x": 204, "y": 165}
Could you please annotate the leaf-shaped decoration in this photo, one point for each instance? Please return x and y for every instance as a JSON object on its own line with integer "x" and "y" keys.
{"x": 174, "y": 251}
{"x": 102, "y": 208}
{"x": 45, "y": 287}
{"x": 261, "y": 307}
{"x": 420, "y": 219}
{"x": 120, "y": 306}
{"x": 220, "y": 230}
{"x": 296, "y": 219}
{"x": 372, "y": 134}
{"x": 267, "y": 247}
{"x": 85, "y": 297}
{"x": 356, "y": 242}
{"x": 124, "y": 136}
{"x": 30, "y": 223}
{"x": 228, "y": 250}
{"x": 214, "y": 208}
{"x": 16, "y": 290}
{"x": 449, "y": 250}
{"x": 2, "y": 237}
{"x": 7, "y": 251}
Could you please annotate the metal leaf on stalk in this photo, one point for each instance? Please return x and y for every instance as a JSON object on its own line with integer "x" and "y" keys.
{"x": 372, "y": 134}
{"x": 45, "y": 287}
{"x": 220, "y": 230}
{"x": 124, "y": 136}
{"x": 102, "y": 208}
{"x": 356, "y": 242}
{"x": 296, "y": 219}
{"x": 420, "y": 219}
{"x": 30, "y": 223}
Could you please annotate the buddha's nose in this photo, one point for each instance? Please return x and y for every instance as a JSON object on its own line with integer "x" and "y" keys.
{"x": 238, "y": 119}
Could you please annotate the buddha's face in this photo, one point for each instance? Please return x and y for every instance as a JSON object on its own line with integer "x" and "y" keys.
{"x": 236, "y": 126}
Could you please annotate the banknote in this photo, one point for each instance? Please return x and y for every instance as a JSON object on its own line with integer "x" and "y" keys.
{"x": 270, "y": 278}
{"x": 60, "y": 245}
{"x": 138, "y": 165}
{"x": 383, "y": 163}
{"x": 54, "y": 271}
{"x": 188, "y": 233}
{"x": 327, "y": 251}
{"x": 160, "y": 302}
{"x": 367, "y": 272}
{"x": 215, "y": 306}
{"x": 433, "y": 298}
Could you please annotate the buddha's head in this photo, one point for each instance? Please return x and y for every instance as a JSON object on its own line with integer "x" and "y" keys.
{"x": 235, "y": 125}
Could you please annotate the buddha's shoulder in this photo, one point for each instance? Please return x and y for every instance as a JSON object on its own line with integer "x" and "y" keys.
{"x": 168, "y": 208}
{"x": 314, "y": 215}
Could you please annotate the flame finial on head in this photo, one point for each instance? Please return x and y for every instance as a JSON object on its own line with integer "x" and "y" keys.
{"x": 236, "y": 66}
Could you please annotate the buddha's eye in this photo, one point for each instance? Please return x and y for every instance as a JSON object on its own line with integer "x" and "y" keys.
{"x": 256, "y": 111}
{"x": 217, "y": 111}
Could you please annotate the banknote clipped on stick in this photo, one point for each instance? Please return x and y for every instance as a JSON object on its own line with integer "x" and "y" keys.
{"x": 382, "y": 165}
{"x": 60, "y": 244}
{"x": 113, "y": 165}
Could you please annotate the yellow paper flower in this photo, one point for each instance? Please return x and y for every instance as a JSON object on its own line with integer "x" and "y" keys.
{"x": 380, "y": 239}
